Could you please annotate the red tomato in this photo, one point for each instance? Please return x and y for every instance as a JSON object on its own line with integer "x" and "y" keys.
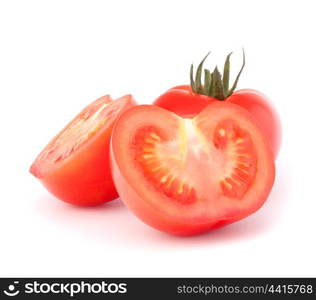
{"x": 187, "y": 176}
{"x": 74, "y": 166}
{"x": 182, "y": 101}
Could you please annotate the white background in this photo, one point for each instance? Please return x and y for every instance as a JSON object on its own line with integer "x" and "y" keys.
{"x": 57, "y": 56}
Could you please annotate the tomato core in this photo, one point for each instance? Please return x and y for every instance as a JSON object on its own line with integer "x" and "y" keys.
{"x": 168, "y": 163}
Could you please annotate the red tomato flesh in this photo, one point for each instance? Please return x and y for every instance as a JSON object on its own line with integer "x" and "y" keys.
{"x": 189, "y": 175}
{"x": 74, "y": 166}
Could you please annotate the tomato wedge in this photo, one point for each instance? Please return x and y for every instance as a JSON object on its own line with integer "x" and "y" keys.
{"x": 189, "y": 175}
{"x": 75, "y": 166}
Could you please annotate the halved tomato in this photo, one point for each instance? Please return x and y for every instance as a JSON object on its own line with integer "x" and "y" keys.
{"x": 189, "y": 175}
{"x": 75, "y": 166}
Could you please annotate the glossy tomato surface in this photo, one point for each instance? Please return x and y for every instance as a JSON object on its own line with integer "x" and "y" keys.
{"x": 187, "y": 176}
{"x": 74, "y": 166}
{"x": 182, "y": 101}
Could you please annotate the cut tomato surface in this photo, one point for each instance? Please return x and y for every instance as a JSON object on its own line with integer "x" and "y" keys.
{"x": 189, "y": 175}
{"x": 75, "y": 166}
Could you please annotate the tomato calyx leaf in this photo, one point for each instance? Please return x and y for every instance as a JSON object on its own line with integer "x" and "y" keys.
{"x": 215, "y": 84}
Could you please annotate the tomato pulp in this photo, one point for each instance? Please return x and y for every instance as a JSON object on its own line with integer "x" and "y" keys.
{"x": 182, "y": 101}
{"x": 189, "y": 175}
{"x": 75, "y": 166}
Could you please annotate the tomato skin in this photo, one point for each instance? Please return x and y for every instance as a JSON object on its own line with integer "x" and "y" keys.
{"x": 183, "y": 102}
{"x": 84, "y": 178}
{"x": 156, "y": 213}
{"x": 262, "y": 109}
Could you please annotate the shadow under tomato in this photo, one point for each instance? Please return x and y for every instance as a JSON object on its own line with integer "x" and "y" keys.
{"x": 113, "y": 222}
